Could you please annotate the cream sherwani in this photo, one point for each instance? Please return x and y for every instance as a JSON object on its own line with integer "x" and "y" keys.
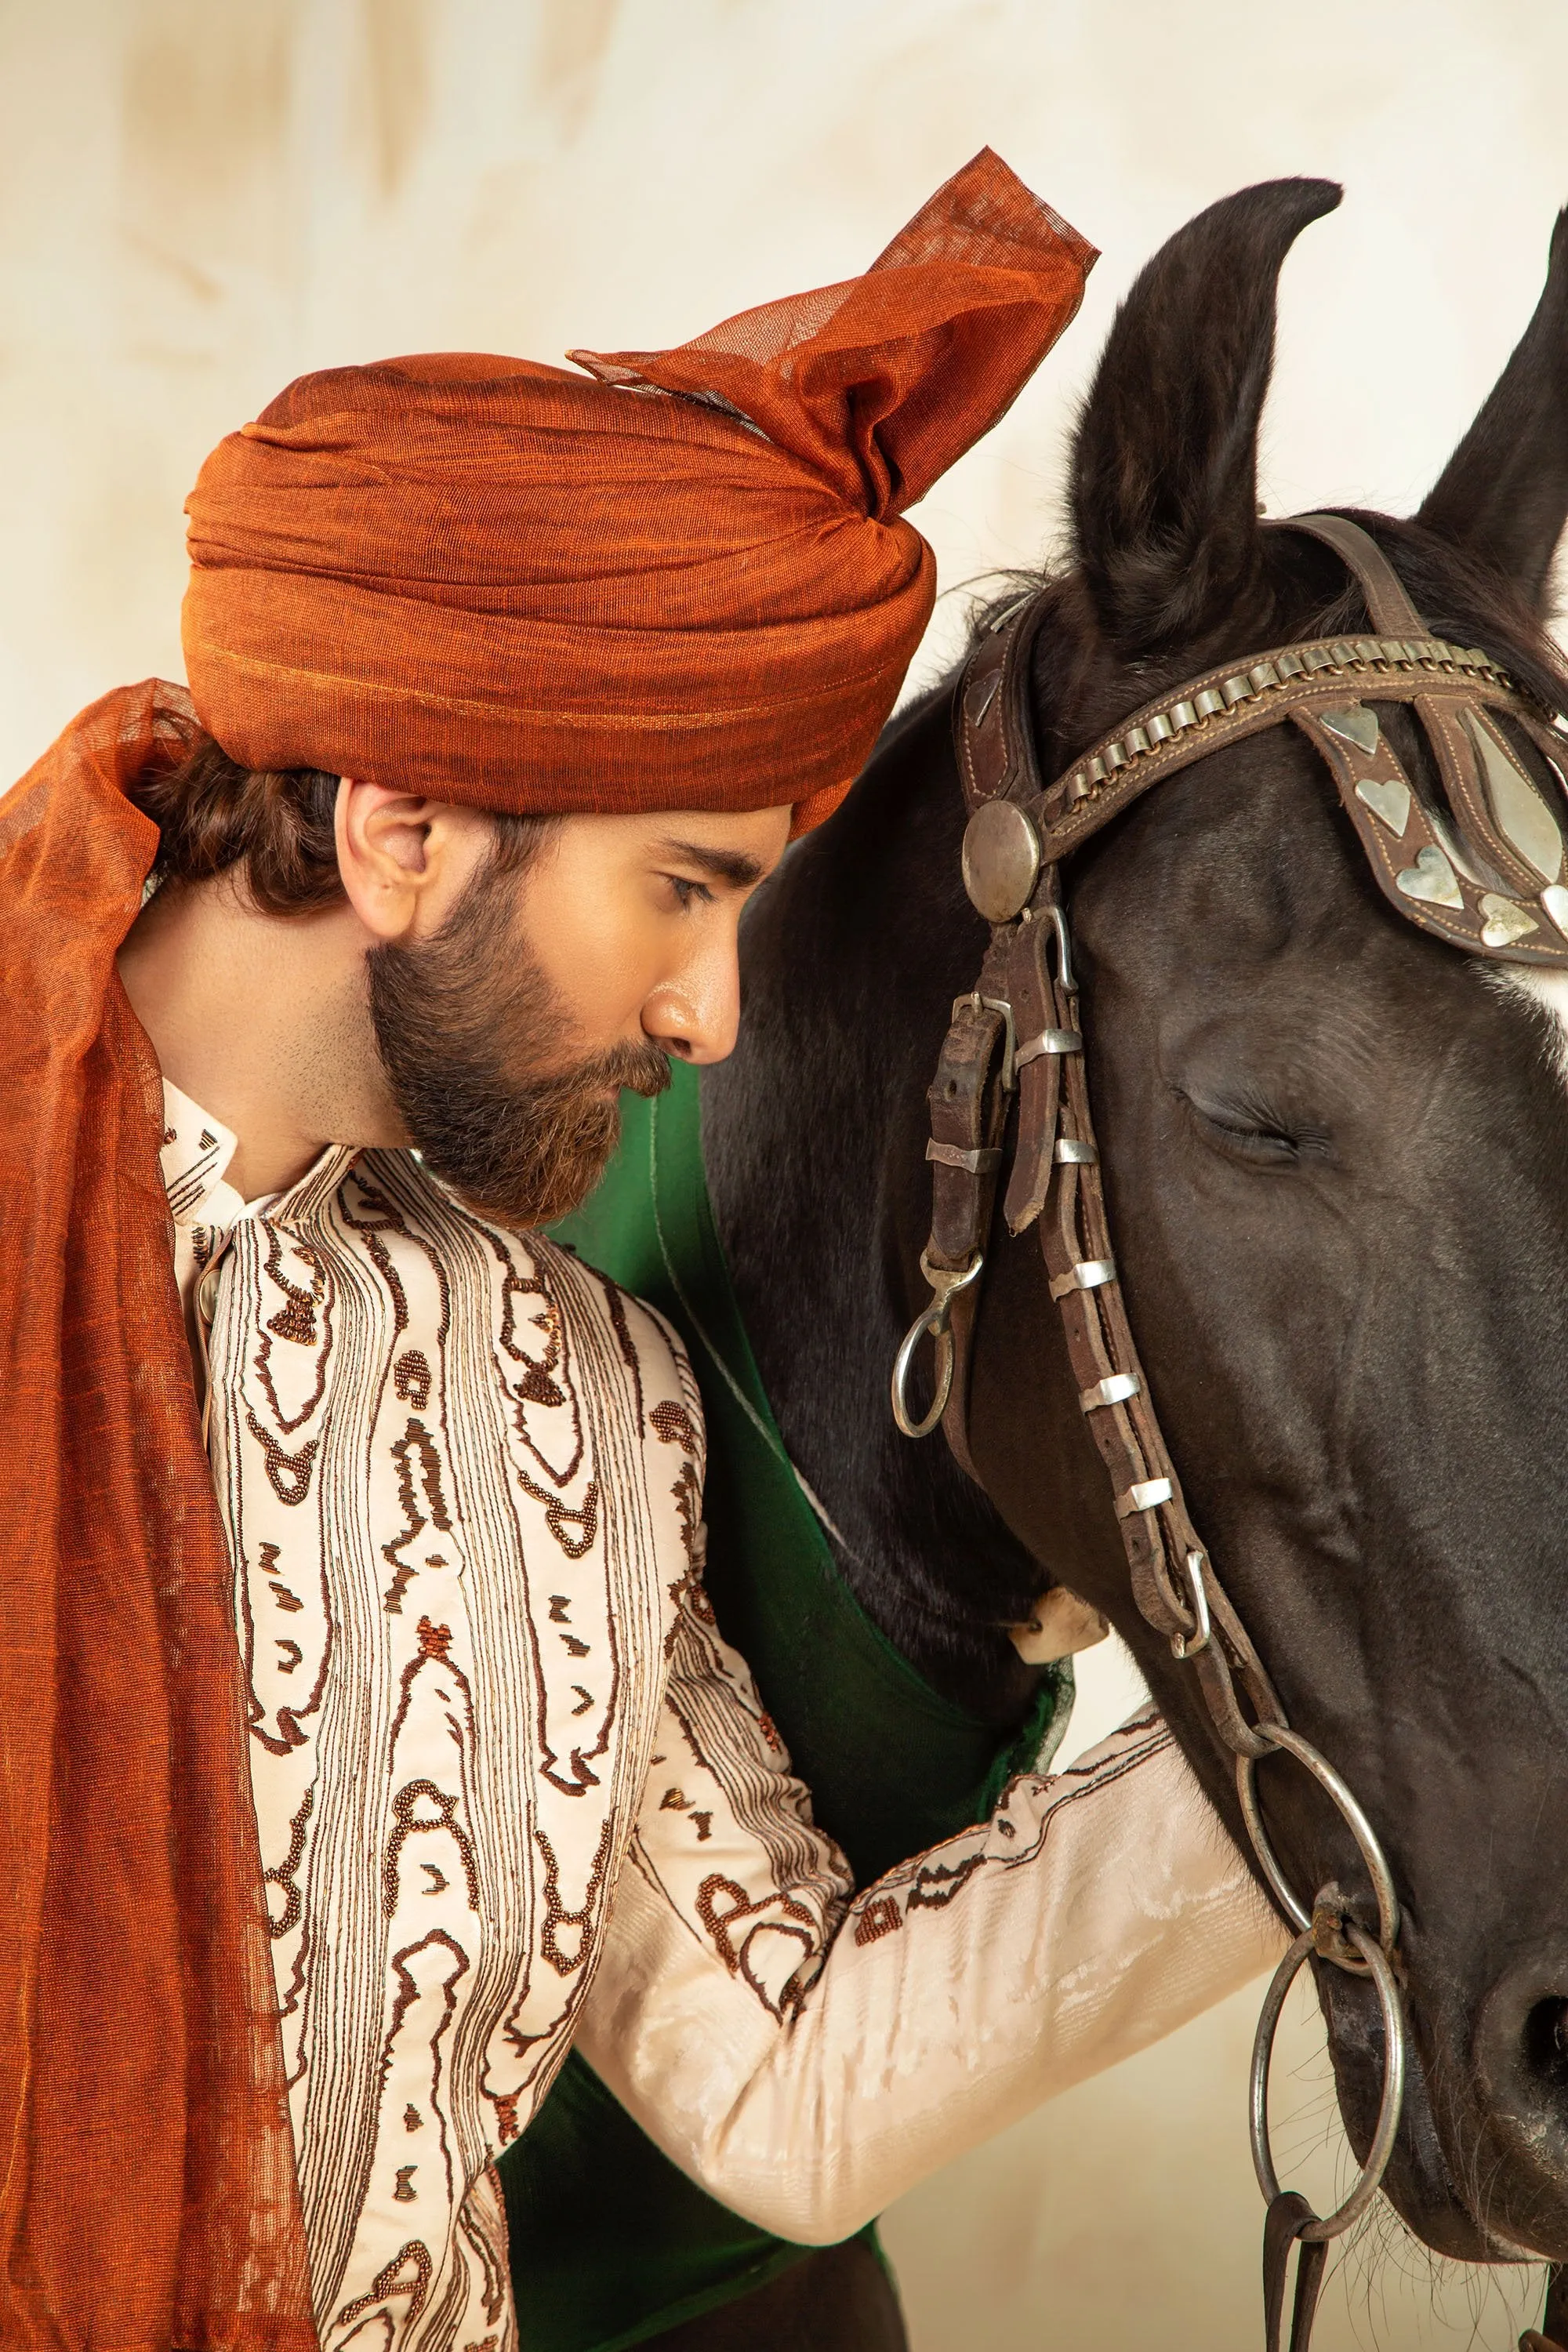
{"x": 513, "y": 1790}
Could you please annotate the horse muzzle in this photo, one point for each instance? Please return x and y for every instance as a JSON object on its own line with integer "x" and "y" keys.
{"x": 1480, "y": 2171}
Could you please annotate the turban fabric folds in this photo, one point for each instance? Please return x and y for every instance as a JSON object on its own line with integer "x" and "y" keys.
{"x": 682, "y": 581}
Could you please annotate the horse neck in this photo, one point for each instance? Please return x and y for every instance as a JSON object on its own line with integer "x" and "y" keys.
{"x": 813, "y": 1137}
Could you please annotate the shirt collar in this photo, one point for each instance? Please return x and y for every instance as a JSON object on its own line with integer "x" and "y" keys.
{"x": 195, "y": 1154}
{"x": 194, "y": 1158}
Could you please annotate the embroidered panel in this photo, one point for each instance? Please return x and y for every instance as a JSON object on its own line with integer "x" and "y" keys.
{"x": 460, "y": 1475}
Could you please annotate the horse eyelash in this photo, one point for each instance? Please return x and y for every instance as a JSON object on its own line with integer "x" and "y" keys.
{"x": 1253, "y": 1127}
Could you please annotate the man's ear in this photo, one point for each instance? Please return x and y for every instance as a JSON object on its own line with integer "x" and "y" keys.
{"x": 403, "y": 860}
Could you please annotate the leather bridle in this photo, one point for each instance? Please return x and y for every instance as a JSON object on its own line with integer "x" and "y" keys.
{"x": 1488, "y": 873}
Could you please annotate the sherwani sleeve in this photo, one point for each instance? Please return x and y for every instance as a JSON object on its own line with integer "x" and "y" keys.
{"x": 807, "y": 2052}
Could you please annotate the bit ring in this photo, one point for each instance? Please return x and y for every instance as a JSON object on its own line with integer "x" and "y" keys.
{"x": 1290, "y": 1743}
{"x": 1395, "y": 2045}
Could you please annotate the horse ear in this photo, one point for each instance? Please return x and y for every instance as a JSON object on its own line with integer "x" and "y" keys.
{"x": 1165, "y": 468}
{"x": 1503, "y": 494}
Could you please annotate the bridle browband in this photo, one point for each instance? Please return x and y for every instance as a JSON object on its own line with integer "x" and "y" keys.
{"x": 1489, "y": 874}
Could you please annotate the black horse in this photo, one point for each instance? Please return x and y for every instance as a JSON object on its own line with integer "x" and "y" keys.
{"x": 1337, "y": 1165}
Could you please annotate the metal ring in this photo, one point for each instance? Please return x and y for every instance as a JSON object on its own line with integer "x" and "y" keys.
{"x": 1396, "y": 2039}
{"x": 932, "y": 1319}
{"x": 1292, "y": 1744}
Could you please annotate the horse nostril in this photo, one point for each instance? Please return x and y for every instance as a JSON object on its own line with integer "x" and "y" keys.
{"x": 1520, "y": 2086}
{"x": 1546, "y": 2043}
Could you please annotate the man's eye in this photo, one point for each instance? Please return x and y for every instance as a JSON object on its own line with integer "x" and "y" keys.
{"x": 685, "y": 891}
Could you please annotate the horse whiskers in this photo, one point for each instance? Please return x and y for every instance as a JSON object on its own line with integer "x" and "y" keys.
{"x": 1380, "y": 2261}
{"x": 1498, "y": 2301}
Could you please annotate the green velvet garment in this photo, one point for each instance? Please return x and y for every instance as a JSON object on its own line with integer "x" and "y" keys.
{"x": 610, "y": 2242}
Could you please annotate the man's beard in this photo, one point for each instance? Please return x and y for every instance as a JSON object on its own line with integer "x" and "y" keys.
{"x": 471, "y": 1035}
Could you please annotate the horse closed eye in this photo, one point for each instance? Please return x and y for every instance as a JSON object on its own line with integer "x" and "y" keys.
{"x": 1253, "y": 1133}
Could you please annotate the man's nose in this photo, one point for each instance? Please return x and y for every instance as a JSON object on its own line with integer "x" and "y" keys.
{"x": 697, "y": 1014}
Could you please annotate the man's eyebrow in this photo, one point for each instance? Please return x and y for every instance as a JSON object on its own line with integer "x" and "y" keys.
{"x": 731, "y": 866}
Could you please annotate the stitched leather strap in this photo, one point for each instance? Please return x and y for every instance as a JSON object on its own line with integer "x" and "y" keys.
{"x": 1390, "y": 611}
{"x": 994, "y": 728}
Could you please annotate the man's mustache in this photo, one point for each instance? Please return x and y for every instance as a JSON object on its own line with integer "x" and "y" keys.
{"x": 643, "y": 1067}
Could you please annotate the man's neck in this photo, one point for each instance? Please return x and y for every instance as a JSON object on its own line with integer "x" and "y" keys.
{"x": 263, "y": 1022}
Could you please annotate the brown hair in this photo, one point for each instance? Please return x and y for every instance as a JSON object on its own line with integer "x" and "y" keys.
{"x": 211, "y": 814}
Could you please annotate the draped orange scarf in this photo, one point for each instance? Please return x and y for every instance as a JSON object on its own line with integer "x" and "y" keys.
{"x": 147, "y": 2195}
{"x": 684, "y": 581}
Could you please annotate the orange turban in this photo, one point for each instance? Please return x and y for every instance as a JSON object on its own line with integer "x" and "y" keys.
{"x": 682, "y": 581}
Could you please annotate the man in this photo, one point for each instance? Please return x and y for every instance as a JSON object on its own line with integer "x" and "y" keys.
{"x": 506, "y": 688}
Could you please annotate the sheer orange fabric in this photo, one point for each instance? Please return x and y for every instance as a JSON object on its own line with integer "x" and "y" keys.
{"x": 684, "y": 584}
{"x": 147, "y": 2194}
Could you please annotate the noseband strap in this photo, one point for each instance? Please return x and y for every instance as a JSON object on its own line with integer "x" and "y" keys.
{"x": 1487, "y": 871}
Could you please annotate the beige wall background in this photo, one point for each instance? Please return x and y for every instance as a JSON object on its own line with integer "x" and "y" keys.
{"x": 200, "y": 199}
